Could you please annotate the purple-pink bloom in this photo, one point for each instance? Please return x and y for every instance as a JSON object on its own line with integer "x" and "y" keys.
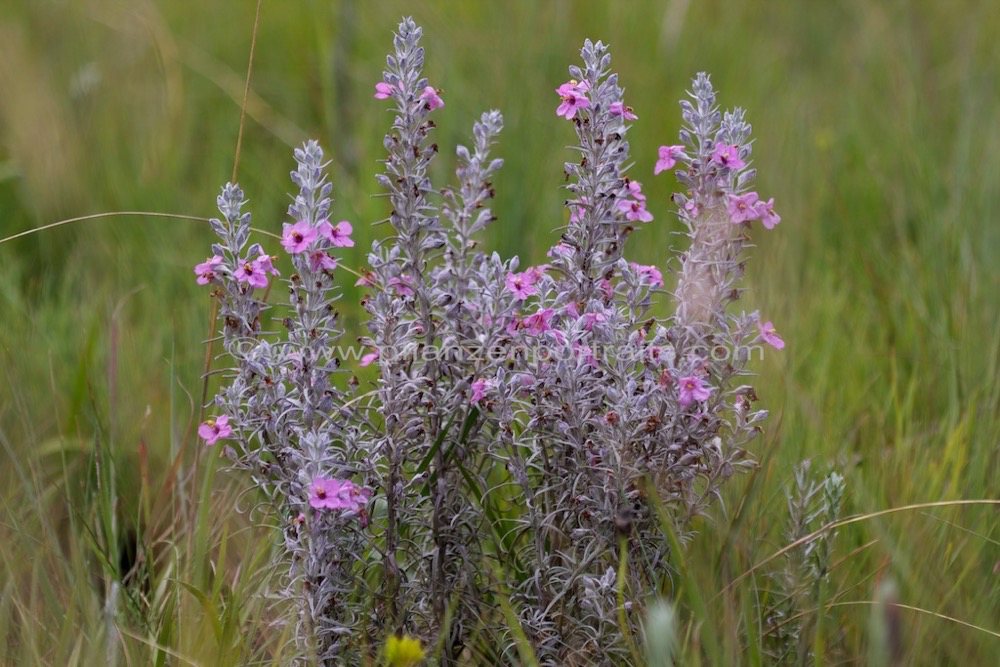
{"x": 648, "y": 274}
{"x": 573, "y": 98}
{"x": 352, "y": 497}
{"x": 263, "y": 261}
{"x": 728, "y": 156}
{"x": 692, "y": 207}
{"x": 384, "y": 90}
{"x": 765, "y": 209}
{"x": 252, "y": 273}
{"x": 366, "y": 280}
{"x": 521, "y": 284}
{"x": 369, "y": 359}
{"x": 590, "y": 319}
{"x": 692, "y": 388}
{"x": 535, "y": 273}
{"x": 770, "y": 335}
{"x": 635, "y": 210}
{"x": 403, "y": 285}
{"x": 668, "y": 156}
{"x": 335, "y": 494}
{"x": 206, "y": 270}
{"x": 619, "y": 109}
{"x": 538, "y": 322}
{"x": 560, "y": 250}
{"x": 296, "y": 238}
{"x": 577, "y": 211}
{"x": 432, "y": 97}
{"x": 479, "y": 388}
{"x": 214, "y": 430}
{"x": 743, "y": 207}
{"x": 338, "y": 235}
{"x": 323, "y": 493}
{"x": 319, "y": 260}
{"x": 635, "y": 190}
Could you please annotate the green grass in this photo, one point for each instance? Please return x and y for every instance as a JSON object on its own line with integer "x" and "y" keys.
{"x": 878, "y": 132}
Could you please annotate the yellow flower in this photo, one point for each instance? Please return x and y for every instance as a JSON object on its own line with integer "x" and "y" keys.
{"x": 403, "y": 651}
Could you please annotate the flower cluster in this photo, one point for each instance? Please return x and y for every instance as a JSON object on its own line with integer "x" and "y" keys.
{"x": 392, "y": 500}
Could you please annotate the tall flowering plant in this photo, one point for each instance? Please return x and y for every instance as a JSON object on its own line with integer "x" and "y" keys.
{"x": 523, "y": 420}
{"x": 623, "y": 405}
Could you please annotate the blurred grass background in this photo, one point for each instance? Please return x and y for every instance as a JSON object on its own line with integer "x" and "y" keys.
{"x": 878, "y": 133}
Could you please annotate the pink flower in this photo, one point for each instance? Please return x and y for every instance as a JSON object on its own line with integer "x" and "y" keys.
{"x": 538, "y": 322}
{"x": 577, "y": 211}
{"x": 619, "y": 109}
{"x": 263, "y": 261}
{"x": 654, "y": 355}
{"x": 668, "y": 156}
{"x": 607, "y": 287}
{"x": 252, "y": 273}
{"x": 335, "y": 494}
{"x": 323, "y": 493}
{"x": 590, "y": 319}
{"x": 765, "y": 209}
{"x": 635, "y": 210}
{"x": 366, "y": 280}
{"x": 743, "y": 207}
{"x": 214, "y": 430}
{"x": 432, "y": 97}
{"x": 635, "y": 190}
{"x": 573, "y": 98}
{"x": 769, "y": 335}
{"x": 648, "y": 274}
{"x": 319, "y": 260}
{"x": 296, "y": 238}
{"x": 728, "y": 156}
{"x": 479, "y": 389}
{"x": 383, "y": 90}
{"x": 369, "y": 359}
{"x": 560, "y": 250}
{"x": 403, "y": 285}
{"x": 352, "y": 497}
{"x": 535, "y": 273}
{"x": 339, "y": 235}
{"x": 692, "y": 207}
{"x": 521, "y": 284}
{"x": 692, "y": 388}
{"x": 206, "y": 270}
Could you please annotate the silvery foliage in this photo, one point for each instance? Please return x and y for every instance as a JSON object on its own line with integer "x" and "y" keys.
{"x": 437, "y": 301}
{"x": 291, "y": 422}
{"x": 603, "y": 428}
{"x": 812, "y": 504}
{"x": 544, "y": 479}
